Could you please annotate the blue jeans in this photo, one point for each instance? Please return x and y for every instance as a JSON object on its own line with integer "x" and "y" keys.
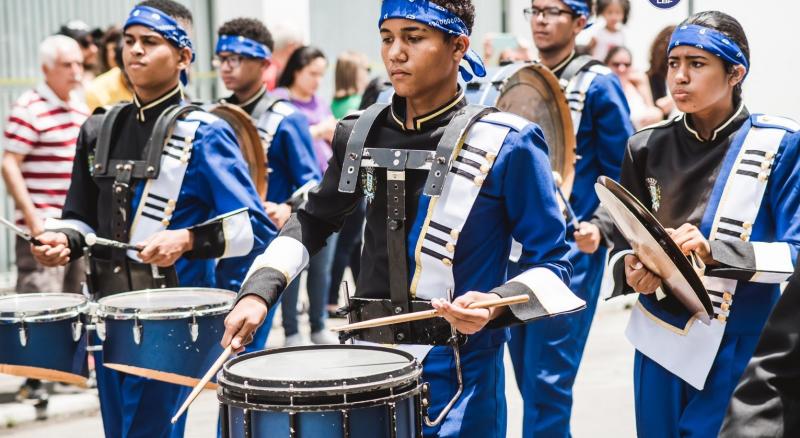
{"x": 317, "y": 283}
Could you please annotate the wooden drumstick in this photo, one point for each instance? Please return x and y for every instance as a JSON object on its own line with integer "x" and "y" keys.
{"x": 427, "y": 314}
{"x": 202, "y": 383}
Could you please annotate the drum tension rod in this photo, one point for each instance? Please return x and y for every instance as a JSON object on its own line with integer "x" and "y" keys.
{"x": 194, "y": 328}
{"x": 23, "y": 332}
{"x": 426, "y": 388}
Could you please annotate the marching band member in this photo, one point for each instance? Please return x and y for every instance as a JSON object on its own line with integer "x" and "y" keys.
{"x": 185, "y": 205}
{"x": 546, "y": 354}
{"x": 243, "y": 52}
{"x": 440, "y": 218}
{"x": 724, "y": 182}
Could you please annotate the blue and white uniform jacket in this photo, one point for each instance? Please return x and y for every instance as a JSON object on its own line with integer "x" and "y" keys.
{"x": 740, "y": 188}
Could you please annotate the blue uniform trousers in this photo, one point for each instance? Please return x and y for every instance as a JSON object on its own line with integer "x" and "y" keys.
{"x": 668, "y": 407}
{"x": 136, "y": 407}
{"x": 546, "y": 353}
{"x": 480, "y": 412}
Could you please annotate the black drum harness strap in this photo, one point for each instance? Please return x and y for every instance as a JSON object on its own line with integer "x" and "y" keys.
{"x": 124, "y": 172}
{"x": 397, "y": 162}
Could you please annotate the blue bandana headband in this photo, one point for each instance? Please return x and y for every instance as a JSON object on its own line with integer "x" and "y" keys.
{"x": 711, "y": 41}
{"x": 242, "y": 46}
{"x": 439, "y": 18}
{"x": 165, "y": 25}
{"x": 579, "y": 7}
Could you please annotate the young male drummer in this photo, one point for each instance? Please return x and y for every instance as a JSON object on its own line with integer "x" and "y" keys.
{"x": 434, "y": 232}
{"x": 244, "y": 47}
{"x": 546, "y": 354}
{"x": 172, "y": 216}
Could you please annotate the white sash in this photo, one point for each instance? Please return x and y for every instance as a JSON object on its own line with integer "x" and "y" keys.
{"x": 160, "y": 195}
{"x": 576, "y": 94}
{"x": 268, "y": 123}
{"x": 446, "y": 215}
{"x": 689, "y": 353}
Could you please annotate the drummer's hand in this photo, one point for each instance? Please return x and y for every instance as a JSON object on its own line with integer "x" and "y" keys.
{"x": 689, "y": 239}
{"x": 640, "y": 278}
{"x": 278, "y": 213}
{"x": 54, "y": 249}
{"x": 587, "y": 237}
{"x": 165, "y": 247}
{"x": 467, "y": 321}
{"x": 243, "y": 320}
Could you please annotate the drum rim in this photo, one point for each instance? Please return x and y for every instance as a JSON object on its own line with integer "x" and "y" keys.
{"x": 290, "y": 408}
{"x": 60, "y": 314}
{"x": 109, "y": 311}
{"x": 681, "y": 263}
{"x": 310, "y": 388}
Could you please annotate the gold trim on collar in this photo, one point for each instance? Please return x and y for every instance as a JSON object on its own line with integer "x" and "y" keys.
{"x": 419, "y": 121}
{"x": 257, "y": 96}
{"x": 141, "y": 109}
{"x": 716, "y": 131}
{"x": 564, "y": 62}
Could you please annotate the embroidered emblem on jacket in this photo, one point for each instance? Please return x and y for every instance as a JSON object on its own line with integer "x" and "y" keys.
{"x": 655, "y": 193}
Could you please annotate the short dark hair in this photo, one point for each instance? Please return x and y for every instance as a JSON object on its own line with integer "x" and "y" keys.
{"x": 614, "y": 50}
{"x": 169, "y": 7}
{"x": 625, "y": 4}
{"x": 299, "y": 59}
{"x": 728, "y": 26}
{"x": 249, "y": 28}
{"x": 463, "y": 9}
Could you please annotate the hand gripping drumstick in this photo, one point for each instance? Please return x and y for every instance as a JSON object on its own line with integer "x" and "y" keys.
{"x": 202, "y": 383}
{"x": 427, "y": 314}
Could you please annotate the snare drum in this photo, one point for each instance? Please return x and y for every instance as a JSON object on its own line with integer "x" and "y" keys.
{"x": 170, "y": 335}
{"x": 353, "y": 391}
{"x": 43, "y": 337}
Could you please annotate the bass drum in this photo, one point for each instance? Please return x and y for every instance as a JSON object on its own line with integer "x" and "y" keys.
{"x": 531, "y": 91}
{"x": 249, "y": 141}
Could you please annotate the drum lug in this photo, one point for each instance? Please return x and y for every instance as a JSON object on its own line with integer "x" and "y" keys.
{"x": 137, "y": 330}
{"x": 100, "y": 329}
{"x": 23, "y": 333}
{"x": 194, "y": 328}
{"x": 77, "y": 331}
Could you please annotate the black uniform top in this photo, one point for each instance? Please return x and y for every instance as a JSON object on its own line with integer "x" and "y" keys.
{"x": 90, "y": 199}
{"x": 328, "y": 203}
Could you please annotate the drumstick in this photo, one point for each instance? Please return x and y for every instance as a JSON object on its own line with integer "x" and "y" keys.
{"x": 92, "y": 240}
{"x": 202, "y": 383}
{"x": 427, "y": 314}
{"x": 573, "y": 218}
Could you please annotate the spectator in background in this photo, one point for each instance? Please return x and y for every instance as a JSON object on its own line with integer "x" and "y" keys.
{"x": 112, "y": 86}
{"x": 40, "y": 137}
{"x": 615, "y": 14}
{"x": 636, "y": 88}
{"x": 299, "y": 84}
{"x": 82, "y": 34}
{"x": 287, "y": 40}
{"x": 350, "y": 79}
{"x": 657, "y": 74}
{"x": 109, "y": 42}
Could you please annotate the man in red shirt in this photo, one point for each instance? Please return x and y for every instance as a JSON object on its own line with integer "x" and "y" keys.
{"x": 39, "y": 147}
